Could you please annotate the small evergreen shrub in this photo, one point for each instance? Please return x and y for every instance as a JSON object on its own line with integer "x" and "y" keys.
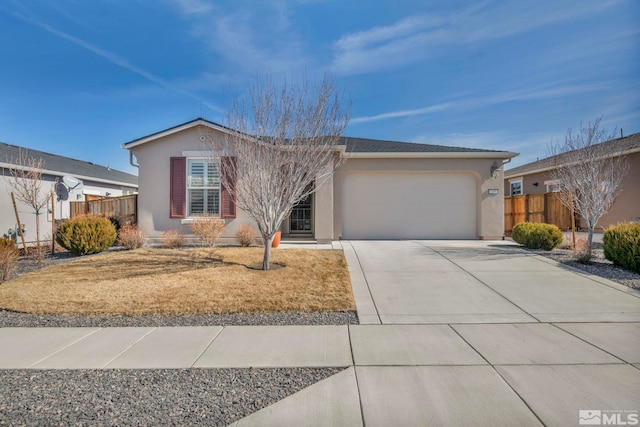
{"x": 246, "y": 235}
{"x": 207, "y": 228}
{"x": 537, "y": 236}
{"x": 173, "y": 239}
{"x": 9, "y": 254}
{"x": 622, "y": 245}
{"x": 84, "y": 235}
{"x": 131, "y": 236}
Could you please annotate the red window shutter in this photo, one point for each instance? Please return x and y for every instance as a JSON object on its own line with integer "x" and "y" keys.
{"x": 227, "y": 199}
{"x": 178, "y": 188}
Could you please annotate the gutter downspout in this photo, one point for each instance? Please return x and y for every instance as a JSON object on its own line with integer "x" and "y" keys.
{"x": 131, "y": 162}
{"x": 504, "y": 162}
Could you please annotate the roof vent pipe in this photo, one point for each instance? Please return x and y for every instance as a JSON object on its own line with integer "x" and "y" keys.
{"x": 621, "y": 133}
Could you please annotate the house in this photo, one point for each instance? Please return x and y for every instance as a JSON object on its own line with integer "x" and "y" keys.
{"x": 98, "y": 181}
{"x": 535, "y": 178}
{"x": 384, "y": 190}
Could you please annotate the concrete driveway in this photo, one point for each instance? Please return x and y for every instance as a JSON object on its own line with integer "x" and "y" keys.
{"x": 424, "y": 282}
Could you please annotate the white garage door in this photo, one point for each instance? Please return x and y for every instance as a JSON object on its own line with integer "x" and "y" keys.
{"x": 409, "y": 205}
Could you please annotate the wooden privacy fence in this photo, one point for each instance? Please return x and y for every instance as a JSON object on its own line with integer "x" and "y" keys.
{"x": 125, "y": 208}
{"x": 545, "y": 208}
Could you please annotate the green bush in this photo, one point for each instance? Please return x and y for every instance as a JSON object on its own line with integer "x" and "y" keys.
{"x": 622, "y": 245}
{"x": 84, "y": 235}
{"x": 537, "y": 236}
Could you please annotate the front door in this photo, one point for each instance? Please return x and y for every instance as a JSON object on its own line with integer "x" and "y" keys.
{"x": 301, "y": 218}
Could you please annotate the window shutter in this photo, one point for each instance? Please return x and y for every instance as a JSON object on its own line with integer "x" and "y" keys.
{"x": 227, "y": 199}
{"x": 178, "y": 188}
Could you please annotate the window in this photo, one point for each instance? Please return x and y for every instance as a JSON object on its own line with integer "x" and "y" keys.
{"x": 553, "y": 186}
{"x": 203, "y": 187}
{"x": 515, "y": 187}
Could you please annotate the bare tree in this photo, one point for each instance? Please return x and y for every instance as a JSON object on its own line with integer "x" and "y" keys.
{"x": 27, "y": 183}
{"x": 589, "y": 173}
{"x": 285, "y": 143}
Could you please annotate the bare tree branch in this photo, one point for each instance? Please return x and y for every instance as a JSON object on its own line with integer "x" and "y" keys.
{"x": 588, "y": 173}
{"x": 27, "y": 183}
{"x": 286, "y": 145}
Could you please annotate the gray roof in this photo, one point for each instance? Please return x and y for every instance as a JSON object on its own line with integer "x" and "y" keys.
{"x": 611, "y": 147}
{"x": 66, "y": 165}
{"x": 354, "y": 145}
{"x": 365, "y": 145}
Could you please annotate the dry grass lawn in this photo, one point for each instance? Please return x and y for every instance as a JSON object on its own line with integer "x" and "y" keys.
{"x": 191, "y": 281}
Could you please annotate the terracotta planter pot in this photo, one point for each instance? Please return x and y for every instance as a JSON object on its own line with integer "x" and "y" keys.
{"x": 276, "y": 239}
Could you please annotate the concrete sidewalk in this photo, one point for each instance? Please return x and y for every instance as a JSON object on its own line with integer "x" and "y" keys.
{"x": 458, "y": 374}
{"x": 451, "y": 333}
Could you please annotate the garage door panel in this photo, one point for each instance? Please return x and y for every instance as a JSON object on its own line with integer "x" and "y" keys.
{"x": 421, "y": 205}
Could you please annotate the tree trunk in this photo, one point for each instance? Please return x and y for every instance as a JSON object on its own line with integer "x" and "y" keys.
{"x": 39, "y": 253}
{"x": 573, "y": 222}
{"x": 267, "y": 252}
{"x": 38, "y": 230}
{"x": 592, "y": 227}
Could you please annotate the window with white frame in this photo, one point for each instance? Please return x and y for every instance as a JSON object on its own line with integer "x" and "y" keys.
{"x": 203, "y": 186}
{"x": 515, "y": 187}
{"x": 553, "y": 186}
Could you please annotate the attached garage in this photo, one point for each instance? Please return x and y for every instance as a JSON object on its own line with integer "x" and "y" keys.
{"x": 381, "y": 190}
{"x": 409, "y": 205}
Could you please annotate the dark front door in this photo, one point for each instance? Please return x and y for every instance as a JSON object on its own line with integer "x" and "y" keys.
{"x": 301, "y": 219}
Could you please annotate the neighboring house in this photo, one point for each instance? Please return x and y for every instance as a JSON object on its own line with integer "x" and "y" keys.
{"x": 384, "y": 190}
{"x": 98, "y": 181}
{"x": 535, "y": 178}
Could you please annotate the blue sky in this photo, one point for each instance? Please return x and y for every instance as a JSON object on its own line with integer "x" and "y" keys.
{"x": 79, "y": 78}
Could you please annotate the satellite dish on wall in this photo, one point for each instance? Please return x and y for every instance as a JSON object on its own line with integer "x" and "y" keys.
{"x": 72, "y": 183}
{"x": 62, "y": 191}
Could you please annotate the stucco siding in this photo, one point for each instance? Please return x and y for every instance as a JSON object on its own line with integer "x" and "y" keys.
{"x": 627, "y": 204}
{"x": 154, "y": 179}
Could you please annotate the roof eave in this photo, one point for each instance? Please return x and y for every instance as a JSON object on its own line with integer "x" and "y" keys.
{"x": 180, "y": 128}
{"x": 4, "y": 165}
{"x": 507, "y": 173}
{"x": 434, "y": 155}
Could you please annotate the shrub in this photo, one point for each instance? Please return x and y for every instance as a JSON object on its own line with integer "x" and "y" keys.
{"x": 8, "y": 257}
{"x": 622, "y": 245}
{"x": 207, "y": 228}
{"x": 131, "y": 236}
{"x": 173, "y": 239}
{"x": 537, "y": 236}
{"x": 246, "y": 235}
{"x": 84, "y": 235}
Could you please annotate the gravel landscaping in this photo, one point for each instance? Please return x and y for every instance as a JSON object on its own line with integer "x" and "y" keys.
{"x": 23, "y": 320}
{"x": 145, "y": 397}
{"x": 599, "y": 265}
